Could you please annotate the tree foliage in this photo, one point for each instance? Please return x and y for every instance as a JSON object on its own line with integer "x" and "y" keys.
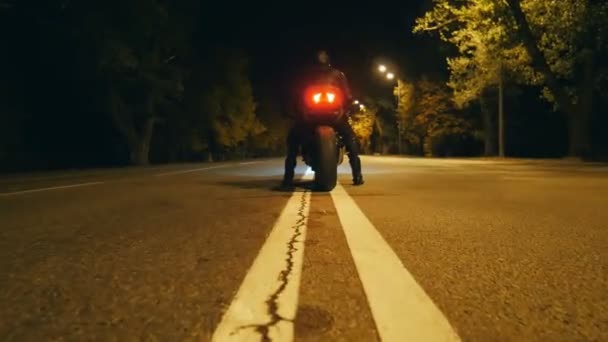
{"x": 384, "y": 130}
{"x": 487, "y": 49}
{"x": 136, "y": 80}
{"x": 411, "y": 131}
{"x": 363, "y": 123}
{"x": 271, "y": 114}
{"x": 427, "y": 115}
{"x": 136, "y": 47}
{"x": 227, "y": 104}
{"x": 531, "y": 41}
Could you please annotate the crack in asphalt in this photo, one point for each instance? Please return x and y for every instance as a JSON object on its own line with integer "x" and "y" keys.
{"x": 272, "y": 301}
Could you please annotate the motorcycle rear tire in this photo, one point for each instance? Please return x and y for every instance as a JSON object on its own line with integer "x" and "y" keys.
{"x": 326, "y": 168}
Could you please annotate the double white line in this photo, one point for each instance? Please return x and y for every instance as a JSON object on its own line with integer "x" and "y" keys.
{"x": 265, "y": 305}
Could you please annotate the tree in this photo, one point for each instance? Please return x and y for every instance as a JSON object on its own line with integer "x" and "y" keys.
{"x": 436, "y": 115}
{"x": 137, "y": 44}
{"x": 271, "y": 114}
{"x": 384, "y": 130}
{"x": 488, "y": 56}
{"x": 11, "y": 96}
{"x": 564, "y": 52}
{"x": 407, "y": 128}
{"x": 530, "y": 41}
{"x": 363, "y": 123}
{"x": 11, "y": 141}
{"x": 38, "y": 70}
{"x": 427, "y": 116}
{"x": 227, "y": 104}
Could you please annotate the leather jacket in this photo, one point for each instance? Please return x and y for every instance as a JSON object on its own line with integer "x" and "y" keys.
{"x": 319, "y": 74}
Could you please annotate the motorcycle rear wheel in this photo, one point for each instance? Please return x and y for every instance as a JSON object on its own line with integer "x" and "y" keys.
{"x": 326, "y": 166}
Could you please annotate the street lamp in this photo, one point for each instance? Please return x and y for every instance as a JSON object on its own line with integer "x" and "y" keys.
{"x": 362, "y": 107}
{"x": 390, "y": 76}
{"x": 356, "y": 102}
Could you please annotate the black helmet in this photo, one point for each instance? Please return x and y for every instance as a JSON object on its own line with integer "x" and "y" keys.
{"x": 323, "y": 57}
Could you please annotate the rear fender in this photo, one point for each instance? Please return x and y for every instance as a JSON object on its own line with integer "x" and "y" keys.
{"x": 325, "y": 132}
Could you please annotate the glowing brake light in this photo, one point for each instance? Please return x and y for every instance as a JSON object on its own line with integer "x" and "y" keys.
{"x": 323, "y": 98}
{"x": 317, "y": 97}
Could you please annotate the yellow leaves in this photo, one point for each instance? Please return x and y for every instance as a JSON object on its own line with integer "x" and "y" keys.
{"x": 425, "y": 111}
{"x": 558, "y": 28}
{"x": 404, "y": 92}
{"x": 488, "y": 44}
{"x": 363, "y": 124}
{"x": 481, "y": 38}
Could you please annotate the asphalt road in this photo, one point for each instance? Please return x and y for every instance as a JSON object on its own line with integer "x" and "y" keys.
{"x": 426, "y": 250}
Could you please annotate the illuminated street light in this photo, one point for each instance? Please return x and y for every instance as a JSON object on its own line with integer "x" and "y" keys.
{"x": 390, "y": 75}
{"x": 356, "y": 102}
{"x": 382, "y": 68}
{"x": 362, "y": 107}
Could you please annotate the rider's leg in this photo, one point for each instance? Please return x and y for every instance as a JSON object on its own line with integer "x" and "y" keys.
{"x": 292, "y": 154}
{"x": 352, "y": 147}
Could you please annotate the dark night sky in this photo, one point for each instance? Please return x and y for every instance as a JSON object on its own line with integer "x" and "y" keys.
{"x": 281, "y": 38}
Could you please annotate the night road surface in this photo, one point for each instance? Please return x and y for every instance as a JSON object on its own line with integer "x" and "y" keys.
{"x": 426, "y": 250}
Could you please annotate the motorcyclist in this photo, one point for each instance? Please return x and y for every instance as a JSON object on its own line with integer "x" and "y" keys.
{"x": 324, "y": 72}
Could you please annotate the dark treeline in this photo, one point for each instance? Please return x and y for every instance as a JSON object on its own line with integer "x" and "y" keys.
{"x": 104, "y": 83}
{"x": 132, "y": 82}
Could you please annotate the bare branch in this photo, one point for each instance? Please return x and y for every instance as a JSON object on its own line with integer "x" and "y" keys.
{"x": 438, "y": 26}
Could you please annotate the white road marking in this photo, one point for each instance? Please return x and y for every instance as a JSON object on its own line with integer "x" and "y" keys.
{"x": 401, "y": 309}
{"x": 249, "y": 315}
{"x": 259, "y": 161}
{"x": 191, "y": 170}
{"x": 34, "y": 179}
{"x": 207, "y": 168}
{"x": 47, "y": 189}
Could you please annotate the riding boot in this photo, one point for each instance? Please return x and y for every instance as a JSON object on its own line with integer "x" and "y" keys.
{"x": 355, "y": 165}
{"x": 290, "y": 164}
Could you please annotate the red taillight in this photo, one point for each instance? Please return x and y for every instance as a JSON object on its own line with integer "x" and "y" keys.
{"x": 323, "y": 98}
{"x": 317, "y": 97}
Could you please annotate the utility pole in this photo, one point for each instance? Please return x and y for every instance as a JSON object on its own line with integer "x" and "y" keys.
{"x": 399, "y": 134}
{"x": 501, "y": 116}
{"x": 398, "y": 115}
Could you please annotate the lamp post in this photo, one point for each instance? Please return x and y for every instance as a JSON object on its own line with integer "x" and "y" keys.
{"x": 391, "y": 76}
{"x": 501, "y": 116}
{"x": 399, "y": 119}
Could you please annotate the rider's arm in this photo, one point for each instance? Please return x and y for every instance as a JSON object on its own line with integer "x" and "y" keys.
{"x": 348, "y": 97}
{"x": 344, "y": 84}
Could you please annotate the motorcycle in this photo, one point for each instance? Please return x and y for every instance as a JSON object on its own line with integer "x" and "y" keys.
{"x": 323, "y": 149}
